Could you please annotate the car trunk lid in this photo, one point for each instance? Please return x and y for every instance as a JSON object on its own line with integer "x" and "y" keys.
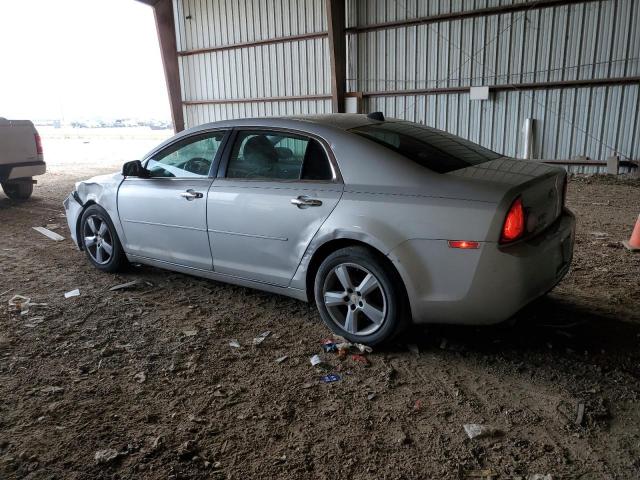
{"x": 540, "y": 187}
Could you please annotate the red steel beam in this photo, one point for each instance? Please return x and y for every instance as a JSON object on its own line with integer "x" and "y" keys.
{"x": 337, "y": 53}
{"x": 464, "y": 14}
{"x": 165, "y": 26}
{"x": 509, "y": 86}
{"x": 257, "y": 43}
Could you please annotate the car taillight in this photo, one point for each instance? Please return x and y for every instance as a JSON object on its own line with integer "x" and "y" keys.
{"x": 514, "y": 223}
{"x": 464, "y": 244}
{"x": 38, "y": 144}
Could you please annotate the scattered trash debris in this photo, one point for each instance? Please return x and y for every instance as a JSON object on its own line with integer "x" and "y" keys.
{"x": 52, "y": 226}
{"x": 72, "y": 293}
{"x": 371, "y": 396}
{"x": 123, "y": 286}
{"x": 475, "y": 430}
{"x": 140, "y": 377}
{"x": 260, "y": 338}
{"x": 417, "y": 406}
{"x": 332, "y": 377}
{"x": 21, "y": 304}
{"x": 329, "y": 345}
{"x": 413, "y": 348}
{"x": 315, "y": 360}
{"x": 105, "y": 456}
{"x": 282, "y": 359}
{"x": 599, "y": 234}
{"x": 234, "y": 343}
{"x": 49, "y": 233}
{"x": 361, "y": 359}
{"x": 363, "y": 348}
{"x": 190, "y": 333}
{"x": 580, "y": 414}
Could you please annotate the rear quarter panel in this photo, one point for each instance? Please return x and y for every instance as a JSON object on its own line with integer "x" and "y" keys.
{"x": 386, "y": 220}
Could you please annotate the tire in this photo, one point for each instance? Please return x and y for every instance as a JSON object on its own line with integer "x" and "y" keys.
{"x": 98, "y": 236}
{"x": 18, "y": 189}
{"x": 357, "y": 282}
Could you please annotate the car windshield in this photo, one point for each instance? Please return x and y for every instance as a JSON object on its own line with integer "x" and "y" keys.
{"x": 431, "y": 148}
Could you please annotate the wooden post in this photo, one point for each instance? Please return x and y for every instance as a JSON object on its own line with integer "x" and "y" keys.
{"x": 337, "y": 53}
{"x": 165, "y": 26}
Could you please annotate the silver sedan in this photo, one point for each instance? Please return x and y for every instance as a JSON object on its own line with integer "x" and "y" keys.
{"x": 381, "y": 222}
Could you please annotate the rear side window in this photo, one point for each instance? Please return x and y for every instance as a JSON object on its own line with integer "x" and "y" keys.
{"x": 272, "y": 155}
{"x": 431, "y": 148}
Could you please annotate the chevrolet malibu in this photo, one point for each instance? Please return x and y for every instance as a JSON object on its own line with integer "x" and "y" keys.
{"x": 380, "y": 222}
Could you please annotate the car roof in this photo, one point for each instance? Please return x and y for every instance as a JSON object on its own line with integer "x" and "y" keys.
{"x": 342, "y": 121}
{"x": 324, "y": 125}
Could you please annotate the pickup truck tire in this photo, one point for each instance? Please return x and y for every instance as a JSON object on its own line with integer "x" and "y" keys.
{"x": 18, "y": 189}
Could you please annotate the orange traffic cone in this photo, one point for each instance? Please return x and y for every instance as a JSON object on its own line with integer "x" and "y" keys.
{"x": 634, "y": 242}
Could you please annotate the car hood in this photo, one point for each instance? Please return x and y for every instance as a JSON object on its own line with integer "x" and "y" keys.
{"x": 95, "y": 188}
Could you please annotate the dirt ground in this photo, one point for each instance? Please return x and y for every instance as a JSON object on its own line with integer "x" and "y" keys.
{"x": 148, "y": 375}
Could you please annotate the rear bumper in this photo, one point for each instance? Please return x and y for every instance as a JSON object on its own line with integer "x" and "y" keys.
{"x": 487, "y": 285}
{"x": 15, "y": 171}
{"x": 73, "y": 209}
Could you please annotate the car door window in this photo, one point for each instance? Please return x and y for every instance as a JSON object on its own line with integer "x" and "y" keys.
{"x": 191, "y": 157}
{"x": 278, "y": 156}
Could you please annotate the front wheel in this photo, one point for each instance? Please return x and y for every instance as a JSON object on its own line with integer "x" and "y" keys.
{"x": 360, "y": 297}
{"x": 100, "y": 240}
{"x": 18, "y": 189}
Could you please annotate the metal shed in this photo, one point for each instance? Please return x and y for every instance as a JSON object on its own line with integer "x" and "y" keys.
{"x": 570, "y": 69}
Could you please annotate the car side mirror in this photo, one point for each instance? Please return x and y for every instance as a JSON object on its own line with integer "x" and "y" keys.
{"x": 134, "y": 168}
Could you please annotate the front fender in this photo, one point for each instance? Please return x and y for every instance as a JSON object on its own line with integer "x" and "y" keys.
{"x": 101, "y": 190}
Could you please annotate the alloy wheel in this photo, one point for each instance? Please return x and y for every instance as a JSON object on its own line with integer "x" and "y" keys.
{"x": 355, "y": 299}
{"x": 98, "y": 239}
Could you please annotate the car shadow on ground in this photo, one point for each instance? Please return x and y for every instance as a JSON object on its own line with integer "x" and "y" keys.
{"x": 552, "y": 323}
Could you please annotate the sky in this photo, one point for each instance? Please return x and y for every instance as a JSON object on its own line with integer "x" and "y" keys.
{"x": 80, "y": 59}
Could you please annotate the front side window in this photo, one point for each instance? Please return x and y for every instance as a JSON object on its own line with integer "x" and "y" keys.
{"x": 191, "y": 157}
{"x": 434, "y": 149}
{"x": 278, "y": 156}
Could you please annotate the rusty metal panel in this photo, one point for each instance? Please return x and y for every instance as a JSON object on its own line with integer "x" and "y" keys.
{"x": 290, "y": 68}
{"x": 585, "y": 40}
{"x": 593, "y": 122}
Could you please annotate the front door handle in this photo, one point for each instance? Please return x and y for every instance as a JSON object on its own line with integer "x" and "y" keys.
{"x": 303, "y": 202}
{"x": 190, "y": 195}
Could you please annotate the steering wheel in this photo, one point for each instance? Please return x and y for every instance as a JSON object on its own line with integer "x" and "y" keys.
{"x": 197, "y": 165}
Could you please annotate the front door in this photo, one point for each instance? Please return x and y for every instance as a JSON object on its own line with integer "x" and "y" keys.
{"x": 269, "y": 201}
{"x": 164, "y": 216}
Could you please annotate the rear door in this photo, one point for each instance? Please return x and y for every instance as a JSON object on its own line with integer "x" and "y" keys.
{"x": 273, "y": 192}
{"x": 164, "y": 216}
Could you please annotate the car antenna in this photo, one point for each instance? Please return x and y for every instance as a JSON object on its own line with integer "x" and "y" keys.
{"x": 376, "y": 116}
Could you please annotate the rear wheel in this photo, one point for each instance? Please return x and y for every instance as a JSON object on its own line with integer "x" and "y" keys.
{"x": 100, "y": 240}
{"x": 359, "y": 296}
{"x": 18, "y": 189}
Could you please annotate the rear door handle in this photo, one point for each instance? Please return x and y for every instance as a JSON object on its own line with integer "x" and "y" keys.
{"x": 303, "y": 202}
{"x": 190, "y": 195}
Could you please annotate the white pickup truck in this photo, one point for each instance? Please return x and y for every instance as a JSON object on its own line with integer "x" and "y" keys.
{"x": 20, "y": 157}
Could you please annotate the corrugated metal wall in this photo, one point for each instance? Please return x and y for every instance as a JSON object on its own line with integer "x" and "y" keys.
{"x": 596, "y": 39}
{"x": 583, "y": 40}
{"x": 293, "y": 68}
